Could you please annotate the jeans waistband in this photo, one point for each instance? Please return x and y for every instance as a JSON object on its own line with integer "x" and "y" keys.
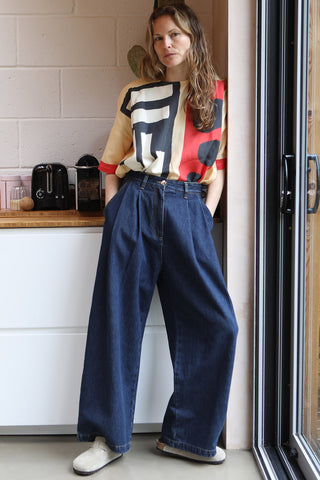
{"x": 170, "y": 185}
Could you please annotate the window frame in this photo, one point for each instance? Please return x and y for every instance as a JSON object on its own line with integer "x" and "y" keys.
{"x": 277, "y": 57}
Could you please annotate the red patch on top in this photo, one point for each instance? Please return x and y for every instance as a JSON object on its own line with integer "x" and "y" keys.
{"x": 195, "y": 140}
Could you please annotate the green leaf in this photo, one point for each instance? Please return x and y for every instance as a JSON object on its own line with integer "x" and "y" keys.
{"x": 134, "y": 56}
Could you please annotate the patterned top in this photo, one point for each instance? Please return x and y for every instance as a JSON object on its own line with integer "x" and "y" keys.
{"x": 153, "y": 133}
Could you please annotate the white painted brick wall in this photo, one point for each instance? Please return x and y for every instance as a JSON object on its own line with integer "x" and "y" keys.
{"x": 130, "y": 28}
{"x": 62, "y": 66}
{"x": 115, "y": 8}
{"x": 9, "y": 141}
{"x": 92, "y": 93}
{"x": 8, "y": 41}
{"x": 66, "y": 41}
{"x": 29, "y": 93}
{"x": 63, "y": 140}
{"x": 36, "y": 7}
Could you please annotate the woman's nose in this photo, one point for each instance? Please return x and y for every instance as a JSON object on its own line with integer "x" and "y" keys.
{"x": 167, "y": 42}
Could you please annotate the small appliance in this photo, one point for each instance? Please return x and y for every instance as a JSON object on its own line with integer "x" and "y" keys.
{"x": 88, "y": 184}
{"x": 50, "y": 187}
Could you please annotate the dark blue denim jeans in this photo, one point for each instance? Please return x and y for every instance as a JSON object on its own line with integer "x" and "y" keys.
{"x": 158, "y": 232}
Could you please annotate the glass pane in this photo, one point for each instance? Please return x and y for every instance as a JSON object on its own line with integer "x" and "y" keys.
{"x": 312, "y": 351}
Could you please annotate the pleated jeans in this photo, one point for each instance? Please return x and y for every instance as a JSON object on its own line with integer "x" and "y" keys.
{"x": 158, "y": 232}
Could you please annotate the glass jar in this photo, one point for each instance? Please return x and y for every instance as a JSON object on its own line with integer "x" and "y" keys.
{"x": 16, "y": 194}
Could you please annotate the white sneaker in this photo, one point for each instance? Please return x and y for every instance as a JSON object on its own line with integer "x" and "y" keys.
{"x": 218, "y": 458}
{"x": 97, "y": 457}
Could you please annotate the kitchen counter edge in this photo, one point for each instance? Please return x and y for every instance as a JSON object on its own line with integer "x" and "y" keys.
{"x": 50, "y": 219}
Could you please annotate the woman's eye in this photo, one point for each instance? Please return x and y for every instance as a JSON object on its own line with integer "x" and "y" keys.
{"x": 174, "y": 34}
{"x": 157, "y": 39}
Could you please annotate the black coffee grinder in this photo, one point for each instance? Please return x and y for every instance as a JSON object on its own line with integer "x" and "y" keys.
{"x": 88, "y": 184}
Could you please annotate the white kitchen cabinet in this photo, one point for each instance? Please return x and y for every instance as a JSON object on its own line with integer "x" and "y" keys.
{"x": 47, "y": 283}
{"x": 47, "y": 278}
{"x": 40, "y": 376}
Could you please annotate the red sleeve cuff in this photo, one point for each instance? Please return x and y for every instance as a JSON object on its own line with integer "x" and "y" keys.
{"x": 221, "y": 163}
{"x": 107, "y": 168}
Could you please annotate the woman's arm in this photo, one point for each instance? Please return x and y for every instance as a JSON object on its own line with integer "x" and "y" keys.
{"x": 214, "y": 191}
{"x": 112, "y": 184}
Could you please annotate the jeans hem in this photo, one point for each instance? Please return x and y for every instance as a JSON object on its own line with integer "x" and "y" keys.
{"x": 187, "y": 447}
{"x": 90, "y": 437}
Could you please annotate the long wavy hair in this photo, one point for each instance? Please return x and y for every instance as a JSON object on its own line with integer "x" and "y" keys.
{"x": 201, "y": 73}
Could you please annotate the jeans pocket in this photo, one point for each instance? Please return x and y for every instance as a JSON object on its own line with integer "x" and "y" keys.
{"x": 207, "y": 214}
{"x": 117, "y": 197}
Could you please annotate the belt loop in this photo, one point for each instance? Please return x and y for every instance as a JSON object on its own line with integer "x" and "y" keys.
{"x": 204, "y": 191}
{"x": 186, "y": 190}
{"x": 144, "y": 182}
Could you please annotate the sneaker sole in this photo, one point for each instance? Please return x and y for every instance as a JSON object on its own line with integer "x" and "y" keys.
{"x": 86, "y": 474}
{"x": 186, "y": 456}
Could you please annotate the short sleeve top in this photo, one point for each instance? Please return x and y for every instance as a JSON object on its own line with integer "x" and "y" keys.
{"x": 154, "y": 133}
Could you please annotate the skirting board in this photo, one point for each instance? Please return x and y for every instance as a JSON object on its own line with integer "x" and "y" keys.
{"x": 68, "y": 429}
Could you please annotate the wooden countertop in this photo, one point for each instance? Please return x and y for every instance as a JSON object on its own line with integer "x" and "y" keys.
{"x": 50, "y": 218}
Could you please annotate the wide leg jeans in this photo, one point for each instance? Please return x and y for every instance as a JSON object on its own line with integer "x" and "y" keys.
{"x": 158, "y": 232}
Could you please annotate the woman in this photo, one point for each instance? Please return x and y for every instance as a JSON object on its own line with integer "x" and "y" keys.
{"x": 165, "y": 151}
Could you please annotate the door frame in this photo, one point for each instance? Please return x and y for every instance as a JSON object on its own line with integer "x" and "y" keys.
{"x": 304, "y": 454}
{"x": 281, "y": 54}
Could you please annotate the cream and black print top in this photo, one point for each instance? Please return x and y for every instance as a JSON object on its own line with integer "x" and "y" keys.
{"x": 153, "y": 133}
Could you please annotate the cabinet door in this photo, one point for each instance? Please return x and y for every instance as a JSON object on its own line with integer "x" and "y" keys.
{"x": 40, "y": 377}
{"x": 47, "y": 276}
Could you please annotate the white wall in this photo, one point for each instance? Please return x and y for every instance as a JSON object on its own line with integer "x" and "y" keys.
{"x": 234, "y": 46}
{"x": 241, "y": 210}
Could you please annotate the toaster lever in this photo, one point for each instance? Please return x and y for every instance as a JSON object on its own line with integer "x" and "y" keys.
{"x": 49, "y": 179}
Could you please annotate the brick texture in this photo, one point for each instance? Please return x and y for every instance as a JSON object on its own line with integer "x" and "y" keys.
{"x": 62, "y": 140}
{"x": 29, "y": 93}
{"x": 36, "y": 7}
{"x": 114, "y": 8}
{"x": 92, "y": 93}
{"x": 9, "y": 156}
{"x": 66, "y": 41}
{"x": 8, "y": 55}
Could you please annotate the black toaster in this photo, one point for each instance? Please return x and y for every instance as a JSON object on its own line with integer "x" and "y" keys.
{"x": 50, "y": 187}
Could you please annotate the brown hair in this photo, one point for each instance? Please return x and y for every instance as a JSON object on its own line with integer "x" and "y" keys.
{"x": 201, "y": 73}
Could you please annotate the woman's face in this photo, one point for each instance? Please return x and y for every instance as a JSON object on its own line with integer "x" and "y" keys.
{"x": 171, "y": 44}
